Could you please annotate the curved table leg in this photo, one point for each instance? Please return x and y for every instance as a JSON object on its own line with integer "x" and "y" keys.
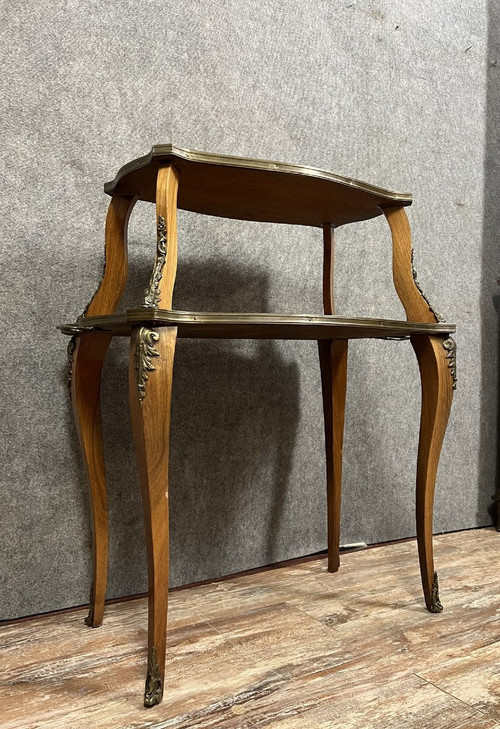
{"x": 150, "y": 379}
{"x": 333, "y": 363}
{"x": 87, "y": 355}
{"x": 436, "y": 359}
{"x": 87, "y": 361}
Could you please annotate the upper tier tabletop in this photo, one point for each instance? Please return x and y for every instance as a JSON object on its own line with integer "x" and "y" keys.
{"x": 252, "y": 189}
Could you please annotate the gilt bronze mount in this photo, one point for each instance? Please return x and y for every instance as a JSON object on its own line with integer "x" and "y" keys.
{"x": 146, "y": 340}
{"x": 153, "y": 691}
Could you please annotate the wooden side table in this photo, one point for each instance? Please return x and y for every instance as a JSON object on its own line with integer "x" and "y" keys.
{"x": 244, "y": 189}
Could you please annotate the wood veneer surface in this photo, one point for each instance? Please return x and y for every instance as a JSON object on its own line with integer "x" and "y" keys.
{"x": 252, "y": 189}
{"x": 294, "y": 648}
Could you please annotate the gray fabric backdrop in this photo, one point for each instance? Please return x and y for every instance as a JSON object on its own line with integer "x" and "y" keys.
{"x": 404, "y": 95}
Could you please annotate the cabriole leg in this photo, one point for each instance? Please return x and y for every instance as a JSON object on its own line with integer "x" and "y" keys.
{"x": 150, "y": 380}
{"x": 333, "y": 363}
{"x": 87, "y": 359}
{"x": 87, "y": 352}
{"x": 436, "y": 360}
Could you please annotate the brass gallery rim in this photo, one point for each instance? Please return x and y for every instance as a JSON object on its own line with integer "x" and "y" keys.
{"x": 172, "y": 317}
{"x": 170, "y": 151}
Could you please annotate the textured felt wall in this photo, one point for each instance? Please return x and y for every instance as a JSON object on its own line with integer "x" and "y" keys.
{"x": 404, "y": 95}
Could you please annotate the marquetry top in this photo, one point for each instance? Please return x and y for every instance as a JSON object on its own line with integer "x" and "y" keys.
{"x": 253, "y": 189}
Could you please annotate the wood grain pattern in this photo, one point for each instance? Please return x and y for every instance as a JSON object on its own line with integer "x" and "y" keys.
{"x": 437, "y": 396}
{"x": 112, "y": 286}
{"x": 415, "y": 306}
{"x": 474, "y": 679}
{"x": 150, "y": 387}
{"x": 166, "y": 206}
{"x": 333, "y": 364}
{"x": 151, "y": 426}
{"x": 410, "y": 702}
{"x": 249, "y": 189}
{"x": 294, "y": 647}
{"x": 87, "y": 361}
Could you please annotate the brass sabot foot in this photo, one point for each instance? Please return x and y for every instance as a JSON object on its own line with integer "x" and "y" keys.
{"x": 154, "y": 689}
{"x": 436, "y": 605}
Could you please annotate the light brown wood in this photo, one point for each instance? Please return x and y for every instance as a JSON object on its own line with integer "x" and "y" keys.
{"x": 88, "y": 359}
{"x": 249, "y": 189}
{"x": 150, "y": 413}
{"x": 150, "y": 385}
{"x": 112, "y": 286}
{"x": 437, "y": 393}
{"x": 437, "y": 396}
{"x": 86, "y": 366}
{"x": 416, "y": 307}
{"x": 166, "y": 206}
{"x": 333, "y": 363}
{"x": 291, "y": 647}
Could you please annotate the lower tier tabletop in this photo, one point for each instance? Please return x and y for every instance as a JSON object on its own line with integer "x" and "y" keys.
{"x": 219, "y": 325}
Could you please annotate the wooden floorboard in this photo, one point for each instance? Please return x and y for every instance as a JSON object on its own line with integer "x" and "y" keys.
{"x": 294, "y": 648}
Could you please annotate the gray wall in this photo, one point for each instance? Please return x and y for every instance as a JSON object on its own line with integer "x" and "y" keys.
{"x": 392, "y": 93}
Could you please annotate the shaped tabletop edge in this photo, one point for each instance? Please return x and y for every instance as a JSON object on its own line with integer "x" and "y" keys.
{"x": 170, "y": 151}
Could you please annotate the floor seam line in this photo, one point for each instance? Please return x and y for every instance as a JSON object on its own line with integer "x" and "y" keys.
{"x": 444, "y": 691}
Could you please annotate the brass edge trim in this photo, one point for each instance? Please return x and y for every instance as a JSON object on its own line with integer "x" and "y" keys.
{"x": 438, "y": 317}
{"x": 153, "y": 690}
{"x": 131, "y": 166}
{"x": 91, "y": 323}
{"x": 181, "y": 317}
{"x": 145, "y": 350}
{"x": 451, "y": 355}
{"x": 170, "y": 150}
{"x": 168, "y": 316}
{"x": 153, "y": 294}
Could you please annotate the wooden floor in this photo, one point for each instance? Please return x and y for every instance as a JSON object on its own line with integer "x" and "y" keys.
{"x": 290, "y": 648}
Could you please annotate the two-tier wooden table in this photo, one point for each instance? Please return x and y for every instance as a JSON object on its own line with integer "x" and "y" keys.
{"x": 244, "y": 189}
